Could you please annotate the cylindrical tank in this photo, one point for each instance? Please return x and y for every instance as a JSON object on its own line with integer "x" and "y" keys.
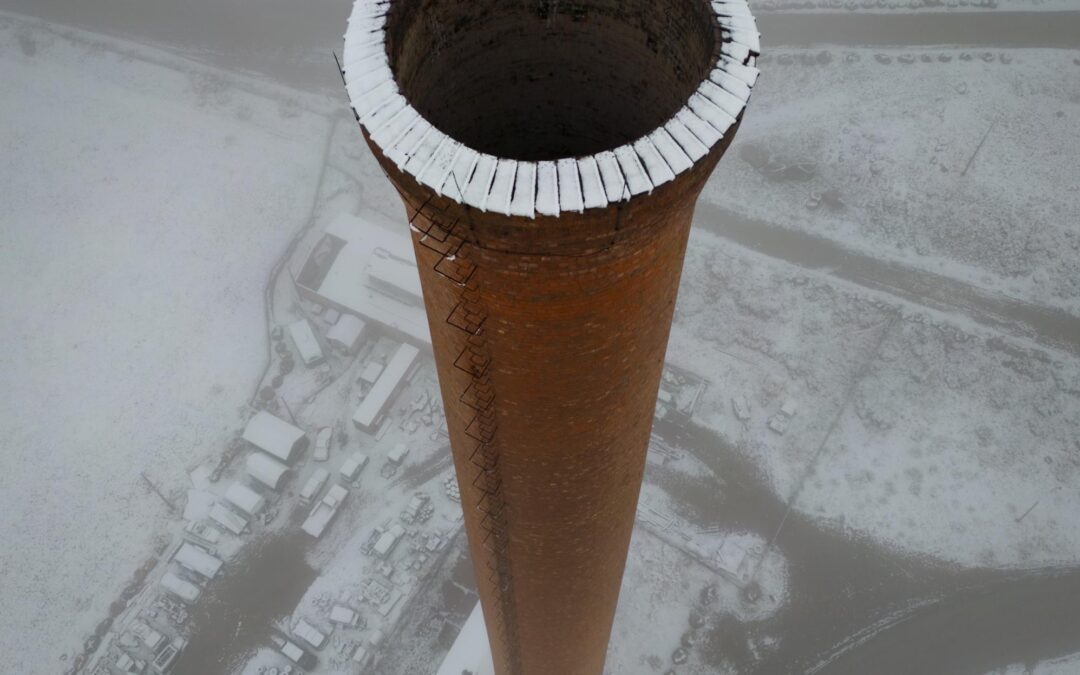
{"x": 549, "y": 156}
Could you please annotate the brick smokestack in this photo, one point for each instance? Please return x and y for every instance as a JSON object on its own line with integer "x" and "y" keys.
{"x": 549, "y": 156}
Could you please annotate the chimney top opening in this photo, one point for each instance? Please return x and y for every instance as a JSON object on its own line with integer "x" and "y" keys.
{"x": 537, "y": 80}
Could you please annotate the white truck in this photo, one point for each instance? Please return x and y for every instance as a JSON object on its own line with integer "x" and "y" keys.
{"x": 351, "y": 467}
{"x": 309, "y": 634}
{"x": 344, "y": 616}
{"x": 293, "y": 652}
{"x": 322, "y": 444}
{"x": 306, "y": 343}
{"x": 325, "y": 511}
{"x": 313, "y": 486}
{"x": 398, "y": 454}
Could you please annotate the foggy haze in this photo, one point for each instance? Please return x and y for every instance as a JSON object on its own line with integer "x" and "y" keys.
{"x": 866, "y": 456}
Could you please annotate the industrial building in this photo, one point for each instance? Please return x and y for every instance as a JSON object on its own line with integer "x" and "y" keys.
{"x": 267, "y": 471}
{"x": 369, "y": 415}
{"x": 347, "y": 334}
{"x": 275, "y": 436}
{"x": 367, "y": 271}
{"x": 307, "y": 345}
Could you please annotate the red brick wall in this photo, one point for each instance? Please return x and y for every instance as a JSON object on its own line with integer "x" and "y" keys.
{"x": 575, "y": 315}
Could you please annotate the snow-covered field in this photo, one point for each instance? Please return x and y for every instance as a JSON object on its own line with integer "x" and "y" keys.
{"x": 935, "y": 436}
{"x": 145, "y": 200}
{"x": 889, "y": 6}
{"x": 1068, "y": 665}
{"x": 880, "y": 152}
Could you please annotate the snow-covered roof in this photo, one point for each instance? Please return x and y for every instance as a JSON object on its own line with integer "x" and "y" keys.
{"x": 370, "y": 251}
{"x": 523, "y": 188}
{"x": 346, "y": 332}
{"x": 397, "y": 455}
{"x": 197, "y": 560}
{"x": 244, "y": 498}
{"x": 309, "y": 634}
{"x": 306, "y": 342}
{"x": 267, "y": 471}
{"x": 352, "y": 466}
{"x": 185, "y": 590}
{"x": 344, "y": 615}
{"x": 397, "y": 274}
{"x": 314, "y": 483}
{"x": 274, "y": 435}
{"x": 228, "y": 519}
{"x": 379, "y": 397}
{"x": 385, "y": 543}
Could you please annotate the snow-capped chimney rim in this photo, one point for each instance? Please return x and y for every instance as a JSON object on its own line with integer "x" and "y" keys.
{"x": 546, "y": 188}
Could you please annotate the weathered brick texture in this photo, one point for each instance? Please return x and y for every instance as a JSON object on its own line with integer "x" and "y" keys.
{"x": 550, "y": 332}
{"x": 575, "y": 314}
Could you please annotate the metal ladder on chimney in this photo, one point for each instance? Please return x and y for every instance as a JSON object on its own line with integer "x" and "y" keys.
{"x": 437, "y": 230}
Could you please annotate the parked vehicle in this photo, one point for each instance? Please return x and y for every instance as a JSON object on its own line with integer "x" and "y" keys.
{"x": 294, "y": 652}
{"x": 309, "y": 634}
{"x": 344, "y": 616}
{"x": 325, "y": 511}
{"x": 306, "y": 343}
{"x": 322, "y": 444}
{"x": 167, "y": 655}
{"x": 351, "y": 467}
{"x": 313, "y": 486}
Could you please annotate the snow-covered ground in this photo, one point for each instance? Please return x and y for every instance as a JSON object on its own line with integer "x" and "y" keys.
{"x": 935, "y": 436}
{"x": 891, "y": 6}
{"x": 145, "y": 200}
{"x": 669, "y": 596}
{"x": 880, "y": 152}
{"x": 1068, "y": 665}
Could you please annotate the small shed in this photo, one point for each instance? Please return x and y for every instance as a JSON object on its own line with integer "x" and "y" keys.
{"x": 347, "y": 334}
{"x": 388, "y": 541}
{"x": 313, "y": 485}
{"x": 149, "y": 637}
{"x": 197, "y": 560}
{"x": 372, "y": 371}
{"x": 376, "y": 638}
{"x": 309, "y": 634}
{"x": 244, "y": 498}
{"x": 181, "y": 588}
{"x": 351, "y": 467}
{"x": 266, "y": 470}
{"x": 398, "y": 454}
{"x": 398, "y": 372}
{"x": 340, "y": 614}
{"x": 362, "y": 656}
{"x": 228, "y": 519}
{"x": 275, "y": 436}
